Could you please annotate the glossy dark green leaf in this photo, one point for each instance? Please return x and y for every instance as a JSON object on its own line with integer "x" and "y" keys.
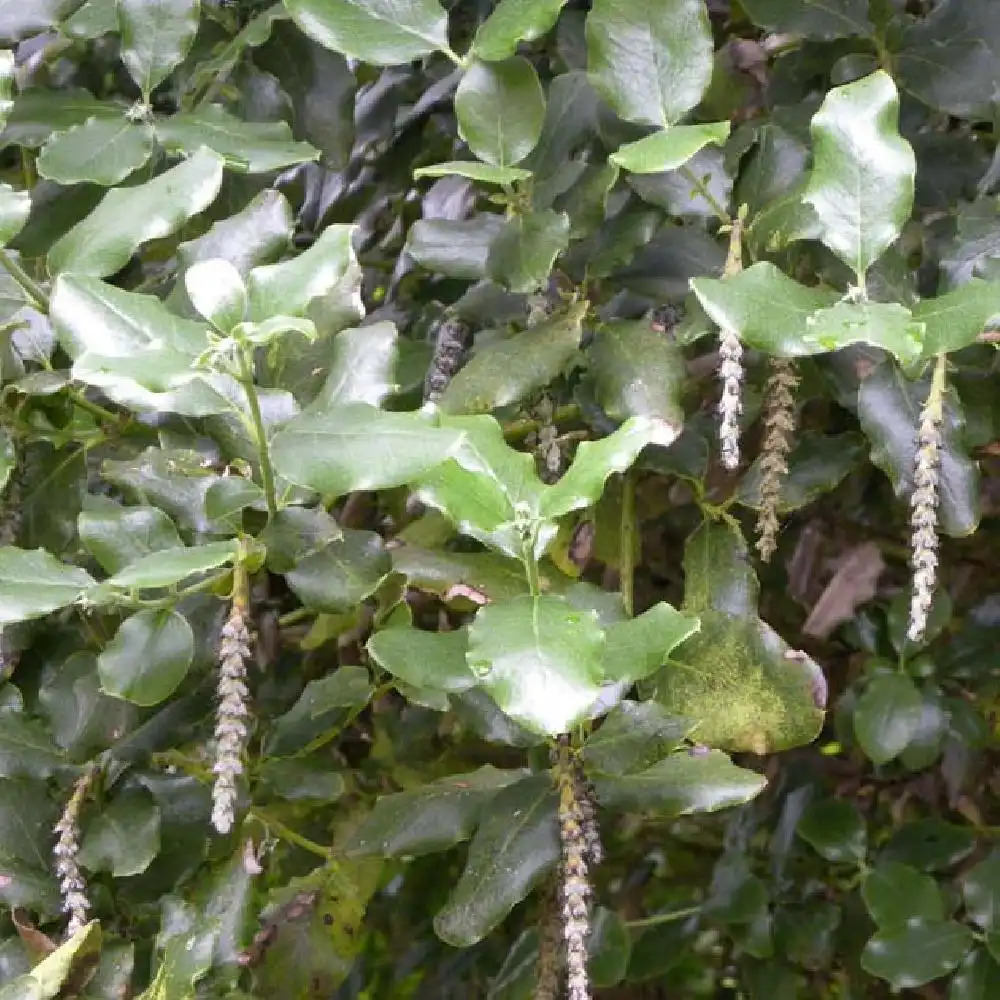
{"x": 26, "y": 748}
{"x": 887, "y": 716}
{"x": 506, "y": 371}
{"x": 929, "y": 844}
{"x": 33, "y": 583}
{"x": 894, "y": 893}
{"x": 118, "y": 536}
{"x": 356, "y": 447}
{"x": 608, "y": 949}
{"x": 434, "y": 660}
{"x": 687, "y": 781}
{"x": 23, "y": 812}
{"x": 516, "y": 844}
{"x": 651, "y": 65}
{"x": 148, "y": 657}
{"x": 500, "y": 108}
{"x": 39, "y": 112}
{"x": 296, "y": 532}
{"x": 637, "y": 371}
{"x": 432, "y": 817}
{"x": 948, "y": 58}
{"x": 155, "y": 38}
{"x": 256, "y": 147}
{"x": 342, "y": 574}
{"x": 823, "y": 19}
{"x": 539, "y": 659}
{"x": 124, "y": 837}
{"x": 456, "y": 248}
{"x": 445, "y": 573}
{"x": 861, "y": 185}
{"x": 102, "y": 243}
{"x": 302, "y": 780}
{"x": 835, "y": 830}
{"x": 981, "y": 892}
{"x": 976, "y": 978}
{"x": 889, "y": 412}
{"x": 917, "y": 952}
{"x": 670, "y": 148}
{"x": 167, "y": 567}
{"x": 523, "y": 252}
{"x": 511, "y": 22}
{"x": 633, "y": 737}
{"x": 384, "y": 32}
{"x": 101, "y": 151}
{"x": 347, "y": 687}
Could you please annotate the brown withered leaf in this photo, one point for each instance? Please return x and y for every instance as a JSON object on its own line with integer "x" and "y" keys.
{"x": 852, "y": 584}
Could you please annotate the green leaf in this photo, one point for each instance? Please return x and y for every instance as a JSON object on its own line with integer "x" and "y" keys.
{"x": 432, "y": 660}
{"x": 977, "y": 977}
{"x": 347, "y": 687}
{"x": 669, "y": 148}
{"x": 608, "y": 949}
{"x": 7, "y": 81}
{"x": 26, "y": 749}
{"x": 296, "y": 532}
{"x": 514, "y": 21}
{"x": 637, "y": 371}
{"x": 821, "y": 19}
{"x": 457, "y": 248}
{"x": 33, "y": 583}
{"x": 356, "y": 447}
{"x": 954, "y": 320}
{"x": 638, "y": 647}
{"x": 948, "y": 57}
{"x": 124, "y": 838}
{"x": 155, "y": 36}
{"x": 981, "y": 892}
{"x": 917, "y": 952}
{"x": 474, "y": 171}
{"x": 818, "y": 464}
{"x": 432, "y": 817}
{"x": 500, "y": 108}
{"x": 341, "y": 575}
{"x": 441, "y": 572}
{"x": 15, "y": 207}
{"x": 889, "y": 412}
{"x": 582, "y": 484}
{"x": 148, "y": 657}
{"x": 168, "y": 567}
{"x": 92, "y": 20}
{"x": 633, "y": 736}
{"x": 362, "y": 368}
{"x": 861, "y": 184}
{"x": 737, "y": 679}
{"x": 303, "y": 780}
{"x": 288, "y": 288}
{"x": 254, "y": 147}
{"x": 71, "y": 962}
{"x": 39, "y": 112}
{"x": 505, "y": 371}
{"x": 516, "y": 844}
{"x": 383, "y": 32}
{"x": 683, "y": 783}
{"x": 930, "y": 844}
{"x": 523, "y": 252}
{"x": 887, "y": 716}
{"x": 651, "y": 64}
{"x": 885, "y": 324}
{"x": 835, "y": 830}
{"x": 216, "y": 290}
{"x": 118, "y": 536}
{"x": 134, "y": 350}
{"x": 894, "y": 893}
{"x": 539, "y": 658}
{"x": 102, "y": 151}
{"x": 104, "y": 241}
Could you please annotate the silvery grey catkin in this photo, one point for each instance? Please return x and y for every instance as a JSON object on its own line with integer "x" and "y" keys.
{"x": 730, "y": 405}
{"x": 72, "y": 886}
{"x": 779, "y": 426}
{"x": 449, "y": 350}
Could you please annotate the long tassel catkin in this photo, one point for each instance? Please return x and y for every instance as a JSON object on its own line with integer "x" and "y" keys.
{"x": 779, "y": 425}
{"x": 72, "y": 885}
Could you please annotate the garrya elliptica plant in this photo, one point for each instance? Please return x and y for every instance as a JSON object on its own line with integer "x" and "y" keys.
{"x": 360, "y": 502}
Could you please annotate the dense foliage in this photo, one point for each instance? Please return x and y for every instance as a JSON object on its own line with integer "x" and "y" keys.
{"x": 497, "y": 499}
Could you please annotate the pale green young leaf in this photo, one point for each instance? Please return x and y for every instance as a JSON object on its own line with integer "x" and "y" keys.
{"x": 92, "y": 19}
{"x": 356, "y": 447}
{"x": 15, "y": 207}
{"x": 47, "y": 979}
{"x": 167, "y": 567}
{"x": 33, "y": 583}
{"x": 156, "y": 35}
{"x": 514, "y": 21}
{"x": 473, "y": 170}
{"x": 102, "y": 151}
{"x": 500, "y": 108}
{"x": 669, "y": 148}
{"x": 861, "y": 185}
{"x": 6, "y": 84}
{"x": 883, "y": 324}
{"x": 383, "y": 32}
{"x": 216, "y": 290}
{"x": 638, "y": 647}
{"x": 954, "y": 320}
{"x": 103, "y": 242}
{"x": 362, "y": 368}
{"x": 650, "y": 62}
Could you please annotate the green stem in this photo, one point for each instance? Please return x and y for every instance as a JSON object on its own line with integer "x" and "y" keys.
{"x": 38, "y": 296}
{"x": 287, "y": 833}
{"x": 702, "y": 188}
{"x": 263, "y": 450}
{"x": 518, "y": 430}
{"x": 662, "y": 918}
{"x": 626, "y": 555}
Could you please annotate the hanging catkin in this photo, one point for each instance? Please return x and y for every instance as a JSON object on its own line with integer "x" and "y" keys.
{"x": 779, "y": 426}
